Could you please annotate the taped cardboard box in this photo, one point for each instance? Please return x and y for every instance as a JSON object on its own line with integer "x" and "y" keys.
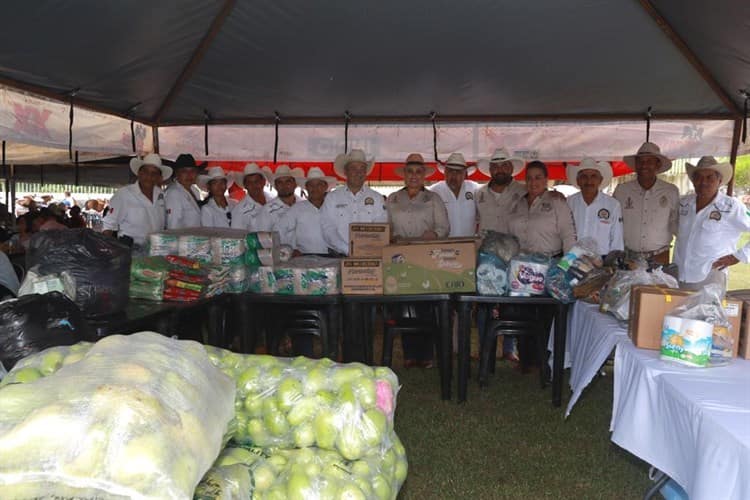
{"x": 744, "y": 340}
{"x": 361, "y": 276}
{"x": 649, "y": 304}
{"x": 368, "y": 239}
{"x": 439, "y": 266}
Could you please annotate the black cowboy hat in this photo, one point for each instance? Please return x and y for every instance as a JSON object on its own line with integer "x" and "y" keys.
{"x": 187, "y": 161}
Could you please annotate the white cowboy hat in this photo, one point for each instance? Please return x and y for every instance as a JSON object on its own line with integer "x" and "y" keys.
{"x": 649, "y": 149}
{"x": 250, "y": 169}
{"x": 286, "y": 171}
{"x": 316, "y": 174}
{"x": 501, "y": 155}
{"x": 353, "y": 156}
{"x": 414, "y": 159}
{"x": 603, "y": 167}
{"x": 212, "y": 174}
{"x": 725, "y": 170}
{"x": 456, "y": 162}
{"x": 152, "y": 159}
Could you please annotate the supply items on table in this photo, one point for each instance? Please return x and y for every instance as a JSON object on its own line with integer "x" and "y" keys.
{"x": 35, "y": 322}
{"x": 34, "y": 283}
{"x": 589, "y": 287}
{"x": 306, "y": 275}
{"x": 558, "y": 284}
{"x": 368, "y": 239}
{"x": 527, "y": 274}
{"x": 181, "y": 279}
{"x": 504, "y": 246}
{"x": 648, "y": 306}
{"x": 362, "y": 276}
{"x": 261, "y": 279}
{"x": 99, "y": 266}
{"x": 195, "y": 247}
{"x": 163, "y": 244}
{"x": 743, "y": 344}
{"x": 139, "y": 416}
{"x": 495, "y": 253}
{"x": 615, "y": 296}
{"x": 697, "y": 331}
{"x": 262, "y": 249}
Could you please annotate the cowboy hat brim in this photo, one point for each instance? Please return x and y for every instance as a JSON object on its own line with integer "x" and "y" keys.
{"x": 331, "y": 181}
{"x": 518, "y": 165}
{"x": 571, "y": 172}
{"x": 664, "y": 162}
{"x": 298, "y": 179}
{"x": 428, "y": 171}
{"x": 239, "y": 177}
{"x": 203, "y": 180}
{"x": 342, "y": 160}
{"x": 470, "y": 169}
{"x": 724, "y": 169}
{"x": 136, "y": 164}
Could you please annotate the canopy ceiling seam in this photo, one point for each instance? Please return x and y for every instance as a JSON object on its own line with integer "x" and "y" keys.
{"x": 194, "y": 60}
{"x": 688, "y": 53}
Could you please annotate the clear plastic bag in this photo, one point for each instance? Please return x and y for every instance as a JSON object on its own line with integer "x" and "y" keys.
{"x": 492, "y": 274}
{"x": 300, "y": 402}
{"x": 615, "y": 296}
{"x": 45, "y": 363}
{"x": 558, "y": 285}
{"x": 504, "y": 246}
{"x": 139, "y": 416}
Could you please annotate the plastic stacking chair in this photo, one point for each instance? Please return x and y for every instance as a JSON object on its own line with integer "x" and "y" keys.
{"x": 299, "y": 322}
{"x": 519, "y": 321}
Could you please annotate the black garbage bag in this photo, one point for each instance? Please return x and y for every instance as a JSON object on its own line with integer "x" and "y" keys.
{"x": 35, "y": 322}
{"x": 99, "y": 265}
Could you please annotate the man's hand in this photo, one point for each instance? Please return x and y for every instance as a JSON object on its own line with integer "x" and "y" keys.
{"x": 724, "y": 262}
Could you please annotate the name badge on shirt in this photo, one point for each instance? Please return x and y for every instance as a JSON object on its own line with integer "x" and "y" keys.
{"x": 546, "y": 207}
{"x": 469, "y": 196}
{"x": 369, "y": 201}
{"x": 425, "y": 198}
{"x": 663, "y": 201}
{"x": 342, "y": 205}
{"x": 603, "y": 215}
{"x": 629, "y": 203}
{"x": 715, "y": 215}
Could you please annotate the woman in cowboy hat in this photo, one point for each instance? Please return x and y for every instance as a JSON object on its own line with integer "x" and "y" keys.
{"x": 353, "y": 202}
{"x": 183, "y": 198}
{"x": 710, "y": 227}
{"x": 246, "y": 213}
{"x": 286, "y": 180}
{"x": 596, "y": 214}
{"x": 649, "y": 206}
{"x": 217, "y": 208}
{"x": 137, "y": 210}
{"x": 417, "y": 213}
{"x": 301, "y": 224}
{"x": 458, "y": 195}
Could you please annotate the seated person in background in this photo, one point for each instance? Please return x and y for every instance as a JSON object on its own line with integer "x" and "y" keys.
{"x": 596, "y": 214}
{"x": 415, "y": 212}
{"x": 709, "y": 228}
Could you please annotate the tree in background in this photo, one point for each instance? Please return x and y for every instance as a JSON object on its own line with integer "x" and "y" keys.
{"x": 742, "y": 175}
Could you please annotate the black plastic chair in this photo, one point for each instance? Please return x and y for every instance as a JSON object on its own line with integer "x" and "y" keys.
{"x": 300, "y": 322}
{"x": 521, "y": 321}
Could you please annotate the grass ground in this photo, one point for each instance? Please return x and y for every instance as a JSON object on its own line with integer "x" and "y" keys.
{"x": 508, "y": 442}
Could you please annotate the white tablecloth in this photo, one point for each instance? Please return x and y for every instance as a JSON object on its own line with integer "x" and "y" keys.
{"x": 691, "y": 423}
{"x": 591, "y": 337}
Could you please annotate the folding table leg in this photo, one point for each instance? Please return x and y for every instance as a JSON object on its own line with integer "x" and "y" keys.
{"x": 446, "y": 351}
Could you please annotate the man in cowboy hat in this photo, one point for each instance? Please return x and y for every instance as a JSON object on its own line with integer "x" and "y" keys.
{"x": 458, "y": 195}
{"x": 246, "y": 214}
{"x": 285, "y": 180}
{"x": 300, "y": 226}
{"x": 596, "y": 214}
{"x": 649, "y": 206}
{"x": 495, "y": 199}
{"x": 710, "y": 226}
{"x": 137, "y": 210}
{"x": 183, "y": 198}
{"x": 353, "y": 202}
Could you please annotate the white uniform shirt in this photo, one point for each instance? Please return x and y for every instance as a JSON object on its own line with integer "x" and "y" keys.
{"x": 649, "y": 217}
{"x": 246, "y": 214}
{"x": 602, "y": 220}
{"x": 342, "y": 207}
{"x": 493, "y": 208}
{"x": 300, "y": 228}
{"x": 182, "y": 207}
{"x": 132, "y": 214}
{"x": 462, "y": 211}
{"x": 212, "y": 215}
{"x": 709, "y": 234}
{"x": 272, "y": 213}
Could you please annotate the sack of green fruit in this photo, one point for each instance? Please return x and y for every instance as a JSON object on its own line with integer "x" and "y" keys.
{"x": 301, "y": 402}
{"x": 45, "y": 363}
{"x": 244, "y": 473}
{"x": 138, "y": 416}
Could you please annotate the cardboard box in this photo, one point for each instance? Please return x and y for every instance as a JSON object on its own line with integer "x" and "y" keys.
{"x": 649, "y": 304}
{"x": 368, "y": 240}
{"x": 361, "y": 276}
{"x": 743, "y": 345}
{"x": 440, "y": 266}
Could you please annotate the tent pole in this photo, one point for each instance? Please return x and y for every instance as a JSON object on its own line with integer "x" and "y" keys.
{"x": 77, "y": 171}
{"x": 5, "y": 181}
{"x": 155, "y": 135}
{"x": 13, "y": 191}
{"x": 733, "y": 154}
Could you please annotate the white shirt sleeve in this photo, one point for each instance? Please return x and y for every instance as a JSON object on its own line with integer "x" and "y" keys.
{"x": 111, "y": 222}
{"x": 329, "y": 225}
{"x": 616, "y": 241}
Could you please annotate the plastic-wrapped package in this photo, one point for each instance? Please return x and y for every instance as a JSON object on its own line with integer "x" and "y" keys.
{"x": 492, "y": 274}
{"x": 304, "y": 473}
{"x": 285, "y": 253}
{"x": 35, "y": 322}
{"x": 262, "y": 239}
{"x": 615, "y": 296}
{"x": 149, "y": 269}
{"x": 589, "y": 287}
{"x": 527, "y": 274}
{"x": 585, "y": 247}
{"x": 139, "y": 416}
{"x": 262, "y": 280}
{"x": 316, "y": 275}
{"x": 225, "y": 250}
{"x": 504, "y": 246}
{"x": 34, "y": 283}
{"x": 284, "y": 280}
{"x": 238, "y": 279}
{"x": 99, "y": 265}
{"x": 45, "y": 363}
{"x": 146, "y": 290}
{"x": 194, "y": 246}
{"x": 558, "y": 285}
{"x": 163, "y": 244}
{"x": 300, "y": 402}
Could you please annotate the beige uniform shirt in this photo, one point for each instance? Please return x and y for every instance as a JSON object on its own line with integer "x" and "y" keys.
{"x": 411, "y": 217}
{"x": 493, "y": 208}
{"x": 546, "y": 227}
{"x": 649, "y": 217}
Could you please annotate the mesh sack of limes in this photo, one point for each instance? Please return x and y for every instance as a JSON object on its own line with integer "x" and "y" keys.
{"x": 342, "y": 413}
